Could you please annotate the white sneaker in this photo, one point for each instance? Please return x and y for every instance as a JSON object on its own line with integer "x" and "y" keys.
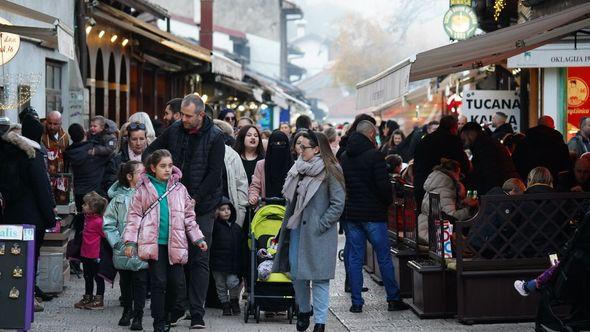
{"x": 519, "y": 286}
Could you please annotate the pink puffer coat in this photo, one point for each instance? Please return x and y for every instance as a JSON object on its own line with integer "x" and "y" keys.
{"x": 145, "y": 232}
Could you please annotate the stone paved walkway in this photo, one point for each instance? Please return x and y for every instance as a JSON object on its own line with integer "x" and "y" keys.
{"x": 60, "y": 316}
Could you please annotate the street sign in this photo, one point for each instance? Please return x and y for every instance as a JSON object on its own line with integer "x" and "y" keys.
{"x": 480, "y": 105}
{"x": 460, "y": 22}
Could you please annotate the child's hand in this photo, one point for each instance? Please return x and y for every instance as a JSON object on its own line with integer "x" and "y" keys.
{"x": 129, "y": 251}
{"x": 202, "y": 245}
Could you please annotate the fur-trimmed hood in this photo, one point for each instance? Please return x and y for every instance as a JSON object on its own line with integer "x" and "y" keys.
{"x": 21, "y": 142}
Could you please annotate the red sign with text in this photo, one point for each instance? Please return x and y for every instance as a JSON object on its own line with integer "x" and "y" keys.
{"x": 578, "y": 98}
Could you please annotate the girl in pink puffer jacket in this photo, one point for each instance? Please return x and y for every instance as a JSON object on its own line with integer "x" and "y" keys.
{"x": 162, "y": 236}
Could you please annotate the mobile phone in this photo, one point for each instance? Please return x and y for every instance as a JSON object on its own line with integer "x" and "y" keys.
{"x": 553, "y": 259}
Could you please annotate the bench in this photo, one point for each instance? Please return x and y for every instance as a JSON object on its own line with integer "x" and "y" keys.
{"x": 510, "y": 238}
{"x": 433, "y": 282}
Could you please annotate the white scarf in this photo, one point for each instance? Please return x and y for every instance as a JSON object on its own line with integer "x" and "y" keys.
{"x": 312, "y": 175}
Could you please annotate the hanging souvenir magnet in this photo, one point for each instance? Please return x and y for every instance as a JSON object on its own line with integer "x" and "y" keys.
{"x": 14, "y": 293}
{"x": 17, "y": 272}
{"x": 15, "y": 249}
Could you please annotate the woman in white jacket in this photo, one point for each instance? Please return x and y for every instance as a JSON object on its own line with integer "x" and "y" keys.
{"x": 444, "y": 180}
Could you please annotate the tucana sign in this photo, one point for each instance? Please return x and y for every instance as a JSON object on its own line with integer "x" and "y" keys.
{"x": 481, "y": 105}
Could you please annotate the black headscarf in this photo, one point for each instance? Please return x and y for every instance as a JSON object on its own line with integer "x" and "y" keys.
{"x": 32, "y": 128}
{"x": 277, "y": 163}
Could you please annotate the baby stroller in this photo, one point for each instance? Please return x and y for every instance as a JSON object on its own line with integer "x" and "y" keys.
{"x": 565, "y": 302}
{"x": 276, "y": 293}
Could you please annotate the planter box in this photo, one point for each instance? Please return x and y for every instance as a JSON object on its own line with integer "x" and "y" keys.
{"x": 434, "y": 290}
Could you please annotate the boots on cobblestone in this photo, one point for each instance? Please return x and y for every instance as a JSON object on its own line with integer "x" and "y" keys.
{"x": 235, "y": 306}
{"x": 303, "y": 321}
{"x": 96, "y": 303}
{"x": 136, "y": 324}
{"x": 126, "y": 317}
{"x": 226, "y": 308}
{"x": 319, "y": 327}
{"x": 397, "y": 305}
{"x": 83, "y": 302}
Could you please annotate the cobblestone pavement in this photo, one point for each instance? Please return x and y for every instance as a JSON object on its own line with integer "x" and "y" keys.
{"x": 60, "y": 315}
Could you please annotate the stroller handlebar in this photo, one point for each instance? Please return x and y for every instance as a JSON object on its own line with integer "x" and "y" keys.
{"x": 272, "y": 200}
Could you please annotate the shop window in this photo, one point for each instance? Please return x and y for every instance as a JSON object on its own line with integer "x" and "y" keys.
{"x": 53, "y": 83}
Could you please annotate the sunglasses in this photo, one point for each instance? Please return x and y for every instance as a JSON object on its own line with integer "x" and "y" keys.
{"x": 136, "y": 126}
{"x": 229, "y": 118}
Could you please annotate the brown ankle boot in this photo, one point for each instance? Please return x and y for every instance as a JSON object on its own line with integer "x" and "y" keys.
{"x": 96, "y": 303}
{"x": 83, "y": 302}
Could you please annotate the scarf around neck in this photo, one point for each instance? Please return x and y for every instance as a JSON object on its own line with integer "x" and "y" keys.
{"x": 303, "y": 180}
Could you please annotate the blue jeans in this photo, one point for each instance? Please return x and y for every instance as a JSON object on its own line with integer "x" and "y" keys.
{"x": 357, "y": 234}
{"x": 319, "y": 288}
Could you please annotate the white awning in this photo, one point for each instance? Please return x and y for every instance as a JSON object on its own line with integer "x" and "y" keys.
{"x": 385, "y": 86}
{"x": 59, "y": 36}
{"x": 226, "y": 66}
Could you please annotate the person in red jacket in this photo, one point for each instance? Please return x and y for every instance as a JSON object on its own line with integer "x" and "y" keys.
{"x": 93, "y": 208}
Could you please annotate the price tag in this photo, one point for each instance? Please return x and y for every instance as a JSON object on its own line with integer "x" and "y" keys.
{"x": 28, "y": 234}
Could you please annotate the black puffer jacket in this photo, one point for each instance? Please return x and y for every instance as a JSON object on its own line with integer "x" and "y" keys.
{"x": 542, "y": 146}
{"x": 228, "y": 244}
{"x": 88, "y": 170}
{"x": 492, "y": 164}
{"x": 25, "y": 184}
{"x": 112, "y": 169}
{"x": 200, "y": 158}
{"x": 368, "y": 192}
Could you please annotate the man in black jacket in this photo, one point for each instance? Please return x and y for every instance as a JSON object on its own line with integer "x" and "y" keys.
{"x": 542, "y": 146}
{"x": 198, "y": 149}
{"x": 368, "y": 195}
{"x": 88, "y": 169}
{"x": 492, "y": 164}
{"x": 502, "y": 127}
{"x": 443, "y": 143}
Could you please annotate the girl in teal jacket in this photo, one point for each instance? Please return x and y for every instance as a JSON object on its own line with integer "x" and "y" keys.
{"x": 132, "y": 271}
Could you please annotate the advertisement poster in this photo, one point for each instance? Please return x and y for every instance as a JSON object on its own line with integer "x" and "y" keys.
{"x": 481, "y": 105}
{"x": 578, "y": 98}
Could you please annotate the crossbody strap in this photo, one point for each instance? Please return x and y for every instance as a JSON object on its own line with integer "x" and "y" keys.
{"x": 153, "y": 205}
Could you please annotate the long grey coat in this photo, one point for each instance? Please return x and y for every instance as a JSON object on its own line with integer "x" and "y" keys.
{"x": 318, "y": 243}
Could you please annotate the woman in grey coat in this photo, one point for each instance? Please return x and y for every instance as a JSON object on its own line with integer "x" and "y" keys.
{"x": 308, "y": 240}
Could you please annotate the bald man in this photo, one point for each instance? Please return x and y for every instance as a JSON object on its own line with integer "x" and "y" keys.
{"x": 578, "y": 180}
{"x": 56, "y": 140}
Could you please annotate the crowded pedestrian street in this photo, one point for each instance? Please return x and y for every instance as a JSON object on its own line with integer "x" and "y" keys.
{"x": 295, "y": 165}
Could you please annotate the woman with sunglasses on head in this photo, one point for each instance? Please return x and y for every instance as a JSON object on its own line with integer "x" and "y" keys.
{"x": 249, "y": 146}
{"x": 308, "y": 239}
{"x": 270, "y": 173}
{"x": 137, "y": 142}
{"x": 229, "y": 116}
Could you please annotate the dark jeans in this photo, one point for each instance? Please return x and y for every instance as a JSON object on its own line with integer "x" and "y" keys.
{"x": 133, "y": 289}
{"x": 198, "y": 268}
{"x": 164, "y": 278}
{"x": 39, "y": 236}
{"x": 357, "y": 234}
{"x": 91, "y": 276}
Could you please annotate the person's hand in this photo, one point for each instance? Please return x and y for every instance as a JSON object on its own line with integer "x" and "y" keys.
{"x": 253, "y": 201}
{"x": 202, "y": 245}
{"x": 577, "y": 189}
{"x": 129, "y": 251}
{"x": 471, "y": 202}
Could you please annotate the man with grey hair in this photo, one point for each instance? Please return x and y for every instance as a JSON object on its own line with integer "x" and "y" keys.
{"x": 368, "y": 196}
{"x": 198, "y": 150}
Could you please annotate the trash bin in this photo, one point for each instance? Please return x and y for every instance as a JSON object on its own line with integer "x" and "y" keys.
{"x": 50, "y": 273}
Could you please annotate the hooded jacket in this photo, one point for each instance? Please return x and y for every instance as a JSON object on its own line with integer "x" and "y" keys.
{"x": 200, "y": 157}
{"x": 144, "y": 230}
{"x": 368, "y": 192}
{"x": 24, "y": 183}
{"x": 542, "y": 146}
{"x": 442, "y": 184}
{"x": 114, "y": 222}
{"x": 88, "y": 170}
{"x": 228, "y": 243}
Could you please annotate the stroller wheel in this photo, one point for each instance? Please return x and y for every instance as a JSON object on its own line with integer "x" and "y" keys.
{"x": 290, "y": 314}
{"x": 257, "y": 314}
{"x": 341, "y": 255}
{"x": 246, "y": 312}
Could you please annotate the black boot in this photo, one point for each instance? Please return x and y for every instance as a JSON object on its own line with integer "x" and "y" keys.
{"x": 226, "y": 308}
{"x": 136, "y": 324}
{"x": 235, "y": 306}
{"x": 126, "y": 317}
{"x": 319, "y": 328}
{"x": 303, "y": 321}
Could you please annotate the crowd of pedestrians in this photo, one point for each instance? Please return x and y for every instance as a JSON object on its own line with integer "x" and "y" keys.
{"x": 168, "y": 209}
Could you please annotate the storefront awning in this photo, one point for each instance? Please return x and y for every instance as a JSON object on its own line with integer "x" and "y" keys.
{"x": 226, "y": 66}
{"x": 473, "y": 53}
{"x": 59, "y": 36}
{"x": 135, "y": 25}
{"x": 238, "y": 85}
